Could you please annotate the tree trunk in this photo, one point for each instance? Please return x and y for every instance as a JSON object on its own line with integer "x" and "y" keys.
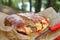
{"x": 37, "y": 5}
{"x": 48, "y": 3}
{"x": 9, "y": 2}
{"x": 51, "y": 3}
{"x": 2, "y": 2}
{"x": 30, "y": 5}
{"x": 23, "y": 5}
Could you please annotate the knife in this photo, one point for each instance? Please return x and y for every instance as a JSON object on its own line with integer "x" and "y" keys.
{"x": 50, "y": 29}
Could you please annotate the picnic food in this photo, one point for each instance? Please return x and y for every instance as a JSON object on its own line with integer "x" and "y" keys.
{"x": 27, "y": 23}
{"x": 58, "y": 38}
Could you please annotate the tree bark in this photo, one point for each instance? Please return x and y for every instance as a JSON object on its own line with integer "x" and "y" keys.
{"x": 2, "y": 2}
{"x": 37, "y": 5}
{"x": 51, "y": 3}
{"x": 9, "y": 2}
{"x": 30, "y": 5}
{"x": 23, "y": 5}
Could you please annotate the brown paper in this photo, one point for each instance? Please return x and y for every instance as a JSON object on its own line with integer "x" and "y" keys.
{"x": 2, "y": 17}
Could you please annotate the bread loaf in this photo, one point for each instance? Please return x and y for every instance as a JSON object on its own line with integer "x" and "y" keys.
{"x": 27, "y": 23}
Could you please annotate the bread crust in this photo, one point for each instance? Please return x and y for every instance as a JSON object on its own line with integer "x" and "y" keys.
{"x": 25, "y": 22}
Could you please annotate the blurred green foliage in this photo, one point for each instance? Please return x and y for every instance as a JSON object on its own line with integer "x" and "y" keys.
{"x": 14, "y": 4}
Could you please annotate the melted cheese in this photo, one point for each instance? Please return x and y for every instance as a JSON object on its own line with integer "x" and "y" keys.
{"x": 39, "y": 26}
{"x": 28, "y": 30}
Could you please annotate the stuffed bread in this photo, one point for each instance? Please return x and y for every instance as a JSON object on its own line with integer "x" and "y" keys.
{"x": 27, "y": 23}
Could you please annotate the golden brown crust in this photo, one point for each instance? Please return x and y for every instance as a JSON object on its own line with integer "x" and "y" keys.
{"x": 25, "y": 22}
{"x": 7, "y": 23}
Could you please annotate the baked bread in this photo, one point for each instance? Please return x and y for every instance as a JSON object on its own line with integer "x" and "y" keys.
{"x": 27, "y": 23}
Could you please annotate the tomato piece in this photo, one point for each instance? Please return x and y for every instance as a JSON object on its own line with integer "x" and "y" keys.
{"x": 58, "y": 38}
{"x": 38, "y": 32}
